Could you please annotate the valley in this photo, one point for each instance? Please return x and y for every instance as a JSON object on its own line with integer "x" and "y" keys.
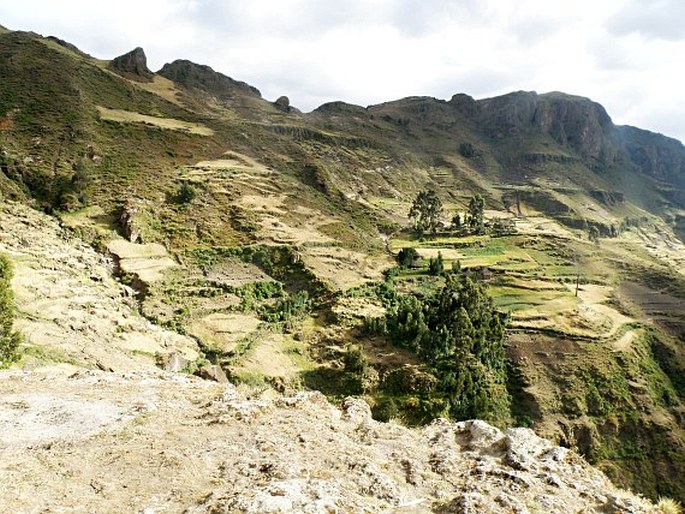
{"x": 261, "y": 240}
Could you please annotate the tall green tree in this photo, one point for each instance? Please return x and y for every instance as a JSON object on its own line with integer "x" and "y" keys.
{"x": 459, "y": 333}
{"x": 425, "y": 212}
{"x": 475, "y": 216}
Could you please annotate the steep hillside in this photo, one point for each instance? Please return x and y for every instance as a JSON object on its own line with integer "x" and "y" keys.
{"x": 270, "y": 238}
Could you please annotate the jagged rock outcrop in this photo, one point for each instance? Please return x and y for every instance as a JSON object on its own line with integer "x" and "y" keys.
{"x": 132, "y": 65}
{"x": 172, "y": 443}
{"x": 341, "y": 108}
{"x": 66, "y": 44}
{"x": 204, "y": 78}
{"x": 465, "y": 104}
{"x": 572, "y": 121}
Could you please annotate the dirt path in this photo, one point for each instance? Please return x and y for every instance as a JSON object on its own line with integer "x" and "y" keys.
{"x": 625, "y": 341}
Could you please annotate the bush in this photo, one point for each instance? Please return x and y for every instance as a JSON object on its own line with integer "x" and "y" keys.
{"x": 436, "y": 266}
{"x": 186, "y": 193}
{"x": 467, "y": 150}
{"x": 407, "y": 256}
{"x": 359, "y": 376}
{"x": 9, "y": 339}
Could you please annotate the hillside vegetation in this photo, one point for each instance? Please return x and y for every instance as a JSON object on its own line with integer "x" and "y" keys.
{"x": 545, "y": 290}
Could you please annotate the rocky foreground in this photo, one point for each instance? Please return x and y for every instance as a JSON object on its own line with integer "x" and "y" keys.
{"x": 95, "y": 441}
{"x": 89, "y": 424}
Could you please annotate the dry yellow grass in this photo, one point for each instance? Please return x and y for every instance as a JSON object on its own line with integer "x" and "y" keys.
{"x": 161, "y": 86}
{"x": 223, "y": 331}
{"x": 122, "y": 116}
{"x": 669, "y": 506}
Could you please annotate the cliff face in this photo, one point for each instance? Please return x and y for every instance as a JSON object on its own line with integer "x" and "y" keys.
{"x": 656, "y": 155}
{"x": 585, "y": 127}
{"x": 573, "y": 122}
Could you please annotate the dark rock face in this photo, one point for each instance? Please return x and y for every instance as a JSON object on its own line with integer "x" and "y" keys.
{"x": 65, "y": 44}
{"x": 465, "y": 104}
{"x": 213, "y": 372}
{"x": 579, "y": 123}
{"x": 204, "y": 78}
{"x": 571, "y": 121}
{"x": 283, "y": 104}
{"x": 132, "y": 65}
{"x": 656, "y": 155}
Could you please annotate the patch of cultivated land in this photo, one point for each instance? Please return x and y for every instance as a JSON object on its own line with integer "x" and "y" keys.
{"x": 121, "y": 116}
{"x": 532, "y": 276}
{"x": 148, "y": 262}
{"x": 223, "y": 330}
{"x": 280, "y": 218}
{"x": 342, "y": 268}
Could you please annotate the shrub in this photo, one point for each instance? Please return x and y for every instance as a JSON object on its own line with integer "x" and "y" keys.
{"x": 186, "y": 193}
{"x": 669, "y": 506}
{"x": 436, "y": 266}
{"x": 407, "y": 256}
{"x": 467, "y": 150}
{"x": 9, "y": 339}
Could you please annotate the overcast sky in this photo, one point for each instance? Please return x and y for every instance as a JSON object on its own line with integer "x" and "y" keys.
{"x": 626, "y": 54}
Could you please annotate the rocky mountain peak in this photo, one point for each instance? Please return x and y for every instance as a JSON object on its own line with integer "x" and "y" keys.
{"x": 204, "y": 78}
{"x": 132, "y": 65}
{"x": 572, "y": 121}
{"x": 465, "y": 104}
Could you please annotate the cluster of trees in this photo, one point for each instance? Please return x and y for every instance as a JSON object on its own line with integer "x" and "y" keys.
{"x": 9, "y": 339}
{"x": 459, "y": 334}
{"x": 427, "y": 209}
{"x": 287, "y": 308}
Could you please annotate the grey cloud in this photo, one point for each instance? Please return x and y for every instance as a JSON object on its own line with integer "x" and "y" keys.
{"x": 658, "y": 19}
{"x": 416, "y": 18}
{"x": 305, "y": 20}
{"x": 530, "y": 31}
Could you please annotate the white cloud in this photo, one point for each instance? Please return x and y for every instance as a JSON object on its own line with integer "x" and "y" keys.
{"x": 624, "y": 54}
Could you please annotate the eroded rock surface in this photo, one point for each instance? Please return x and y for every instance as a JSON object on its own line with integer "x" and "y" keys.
{"x": 129, "y": 442}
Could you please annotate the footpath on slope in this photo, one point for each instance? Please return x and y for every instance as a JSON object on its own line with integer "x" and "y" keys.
{"x": 107, "y": 431}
